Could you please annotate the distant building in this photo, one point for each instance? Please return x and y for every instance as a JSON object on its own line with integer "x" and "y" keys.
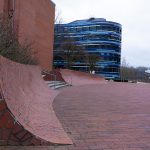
{"x": 99, "y": 37}
{"x": 34, "y": 22}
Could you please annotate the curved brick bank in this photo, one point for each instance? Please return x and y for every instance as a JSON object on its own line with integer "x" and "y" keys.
{"x": 77, "y": 78}
{"x": 26, "y": 113}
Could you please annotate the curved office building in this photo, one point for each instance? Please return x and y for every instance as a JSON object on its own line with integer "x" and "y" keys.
{"x": 97, "y": 36}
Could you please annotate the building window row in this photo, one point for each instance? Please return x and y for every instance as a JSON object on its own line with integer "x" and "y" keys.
{"x": 88, "y": 28}
{"x": 107, "y": 70}
{"x": 95, "y": 48}
{"x": 90, "y": 37}
{"x": 107, "y": 47}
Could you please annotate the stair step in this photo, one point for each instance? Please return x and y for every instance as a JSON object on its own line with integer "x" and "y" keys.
{"x": 51, "y": 82}
{"x": 60, "y": 86}
{"x": 56, "y": 84}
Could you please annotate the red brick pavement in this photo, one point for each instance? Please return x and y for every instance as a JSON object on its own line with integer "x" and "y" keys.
{"x": 111, "y": 116}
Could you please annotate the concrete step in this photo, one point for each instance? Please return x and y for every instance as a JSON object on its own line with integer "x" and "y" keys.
{"x": 60, "y": 86}
{"x": 57, "y": 84}
{"x": 52, "y": 82}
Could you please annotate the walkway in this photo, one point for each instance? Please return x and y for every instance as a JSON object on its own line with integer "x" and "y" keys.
{"x": 112, "y": 116}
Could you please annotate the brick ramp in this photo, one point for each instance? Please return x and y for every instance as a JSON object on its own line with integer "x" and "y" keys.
{"x": 76, "y": 78}
{"x": 26, "y": 113}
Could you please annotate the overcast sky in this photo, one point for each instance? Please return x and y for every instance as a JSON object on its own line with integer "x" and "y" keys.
{"x": 134, "y": 15}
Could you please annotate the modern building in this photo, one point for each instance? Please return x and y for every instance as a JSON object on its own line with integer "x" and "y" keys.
{"x": 34, "y": 22}
{"x": 97, "y": 36}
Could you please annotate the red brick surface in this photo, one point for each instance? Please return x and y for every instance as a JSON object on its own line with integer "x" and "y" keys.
{"x": 29, "y": 118}
{"x": 34, "y": 21}
{"x": 77, "y": 78}
{"x": 54, "y": 75}
{"x": 2, "y": 105}
{"x": 106, "y": 117}
{"x": 1, "y": 6}
{"x": 111, "y": 116}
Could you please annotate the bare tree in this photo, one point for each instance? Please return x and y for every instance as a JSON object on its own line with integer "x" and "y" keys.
{"x": 92, "y": 59}
{"x": 124, "y": 69}
{"x": 134, "y": 74}
{"x": 58, "y": 18}
{"x": 10, "y": 46}
{"x": 70, "y": 52}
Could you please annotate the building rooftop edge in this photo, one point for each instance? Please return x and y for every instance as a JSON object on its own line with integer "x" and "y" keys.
{"x": 90, "y": 21}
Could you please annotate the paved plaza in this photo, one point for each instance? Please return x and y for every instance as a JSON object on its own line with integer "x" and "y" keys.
{"x": 108, "y": 116}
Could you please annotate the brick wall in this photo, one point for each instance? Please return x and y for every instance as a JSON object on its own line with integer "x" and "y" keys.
{"x": 4, "y": 6}
{"x": 34, "y": 20}
{"x": 36, "y": 24}
{"x": 1, "y": 5}
{"x": 12, "y": 133}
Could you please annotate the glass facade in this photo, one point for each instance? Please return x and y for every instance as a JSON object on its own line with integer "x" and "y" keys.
{"x": 97, "y": 36}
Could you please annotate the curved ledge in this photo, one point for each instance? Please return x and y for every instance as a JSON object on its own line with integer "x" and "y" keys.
{"x": 26, "y": 113}
{"x": 76, "y": 78}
